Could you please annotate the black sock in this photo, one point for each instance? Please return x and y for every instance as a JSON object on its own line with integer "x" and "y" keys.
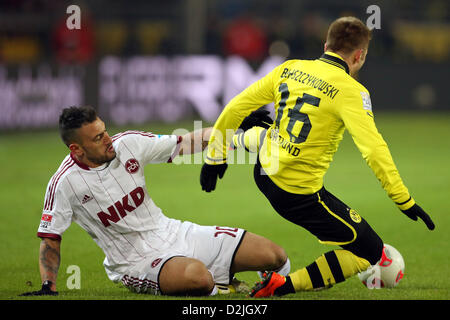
{"x": 286, "y": 288}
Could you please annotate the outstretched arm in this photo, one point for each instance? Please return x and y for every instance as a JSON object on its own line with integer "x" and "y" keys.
{"x": 359, "y": 120}
{"x": 195, "y": 141}
{"x": 49, "y": 260}
{"x": 258, "y": 120}
{"x": 251, "y": 140}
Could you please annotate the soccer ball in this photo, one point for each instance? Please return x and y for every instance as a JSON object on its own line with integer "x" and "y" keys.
{"x": 387, "y": 273}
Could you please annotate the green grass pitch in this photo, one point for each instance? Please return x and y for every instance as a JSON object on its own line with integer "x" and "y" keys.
{"x": 419, "y": 143}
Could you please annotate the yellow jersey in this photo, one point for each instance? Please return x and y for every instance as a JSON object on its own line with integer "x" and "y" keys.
{"x": 315, "y": 101}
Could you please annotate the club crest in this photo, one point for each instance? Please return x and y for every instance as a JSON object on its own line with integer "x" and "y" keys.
{"x": 132, "y": 166}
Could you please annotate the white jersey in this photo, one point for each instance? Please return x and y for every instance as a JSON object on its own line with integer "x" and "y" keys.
{"x": 111, "y": 202}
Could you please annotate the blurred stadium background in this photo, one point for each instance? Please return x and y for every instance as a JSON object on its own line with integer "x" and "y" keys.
{"x": 149, "y": 60}
{"x": 160, "y": 65}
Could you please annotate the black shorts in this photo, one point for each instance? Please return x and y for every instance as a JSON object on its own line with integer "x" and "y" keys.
{"x": 325, "y": 216}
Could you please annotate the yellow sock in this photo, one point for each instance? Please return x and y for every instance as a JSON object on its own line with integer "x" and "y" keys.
{"x": 330, "y": 268}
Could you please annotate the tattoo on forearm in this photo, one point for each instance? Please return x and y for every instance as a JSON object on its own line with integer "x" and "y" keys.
{"x": 50, "y": 258}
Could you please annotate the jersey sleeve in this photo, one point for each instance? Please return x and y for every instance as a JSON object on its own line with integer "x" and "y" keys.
{"x": 57, "y": 214}
{"x": 253, "y": 97}
{"x": 251, "y": 139}
{"x": 357, "y": 115}
{"x": 148, "y": 147}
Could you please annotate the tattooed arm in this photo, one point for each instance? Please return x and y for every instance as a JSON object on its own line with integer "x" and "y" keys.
{"x": 49, "y": 259}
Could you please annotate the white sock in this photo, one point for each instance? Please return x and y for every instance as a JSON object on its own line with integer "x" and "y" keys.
{"x": 283, "y": 270}
{"x": 214, "y": 291}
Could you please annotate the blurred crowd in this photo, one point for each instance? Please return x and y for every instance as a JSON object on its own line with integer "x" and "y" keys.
{"x": 35, "y": 30}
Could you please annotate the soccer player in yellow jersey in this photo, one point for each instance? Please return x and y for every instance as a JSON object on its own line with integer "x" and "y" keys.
{"x": 315, "y": 101}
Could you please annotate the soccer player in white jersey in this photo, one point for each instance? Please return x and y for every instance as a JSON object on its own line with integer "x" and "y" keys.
{"x": 100, "y": 185}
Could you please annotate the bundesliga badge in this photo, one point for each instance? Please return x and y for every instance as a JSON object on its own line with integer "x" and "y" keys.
{"x": 367, "y": 104}
{"x": 132, "y": 166}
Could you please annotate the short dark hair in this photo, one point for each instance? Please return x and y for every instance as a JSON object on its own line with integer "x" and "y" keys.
{"x": 72, "y": 118}
{"x": 347, "y": 34}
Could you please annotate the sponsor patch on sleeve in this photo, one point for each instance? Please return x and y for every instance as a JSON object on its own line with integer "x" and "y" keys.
{"x": 46, "y": 221}
{"x": 367, "y": 104}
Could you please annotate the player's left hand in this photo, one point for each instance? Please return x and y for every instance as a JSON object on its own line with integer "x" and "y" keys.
{"x": 258, "y": 118}
{"x": 416, "y": 211}
{"x": 209, "y": 174}
{"x": 45, "y": 291}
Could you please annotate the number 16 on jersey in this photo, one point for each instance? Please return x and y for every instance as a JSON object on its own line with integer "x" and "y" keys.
{"x": 294, "y": 114}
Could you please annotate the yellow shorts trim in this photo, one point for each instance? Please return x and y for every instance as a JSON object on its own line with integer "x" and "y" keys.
{"x": 340, "y": 219}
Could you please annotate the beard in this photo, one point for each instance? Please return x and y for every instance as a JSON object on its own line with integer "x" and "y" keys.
{"x": 99, "y": 160}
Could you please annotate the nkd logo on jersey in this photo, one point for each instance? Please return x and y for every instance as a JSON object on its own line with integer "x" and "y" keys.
{"x": 120, "y": 208}
{"x": 132, "y": 166}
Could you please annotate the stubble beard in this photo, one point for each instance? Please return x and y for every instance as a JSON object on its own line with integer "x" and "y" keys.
{"x": 101, "y": 160}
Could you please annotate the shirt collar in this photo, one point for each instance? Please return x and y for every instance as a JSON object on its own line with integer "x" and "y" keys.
{"x": 78, "y": 162}
{"x": 335, "y": 59}
{"x": 86, "y": 167}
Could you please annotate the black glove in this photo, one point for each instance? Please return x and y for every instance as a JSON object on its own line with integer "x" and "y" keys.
{"x": 209, "y": 174}
{"x": 416, "y": 211}
{"x": 45, "y": 290}
{"x": 258, "y": 118}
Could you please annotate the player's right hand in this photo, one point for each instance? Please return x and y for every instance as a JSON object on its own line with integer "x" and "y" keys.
{"x": 45, "y": 291}
{"x": 209, "y": 174}
{"x": 416, "y": 211}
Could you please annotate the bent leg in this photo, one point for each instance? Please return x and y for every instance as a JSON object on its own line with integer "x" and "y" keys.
{"x": 330, "y": 268}
{"x": 332, "y": 222}
{"x": 185, "y": 276}
{"x": 327, "y": 270}
{"x": 257, "y": 253}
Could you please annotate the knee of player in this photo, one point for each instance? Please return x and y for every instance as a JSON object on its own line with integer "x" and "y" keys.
{"x": 199, "y": 277}
{"x": 279, "y": 256}
{"x": 373, "y": 252}
{"x": 376, "y": 254}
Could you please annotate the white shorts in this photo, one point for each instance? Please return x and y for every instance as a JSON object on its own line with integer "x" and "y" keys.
{"x": 212, "y": 245}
